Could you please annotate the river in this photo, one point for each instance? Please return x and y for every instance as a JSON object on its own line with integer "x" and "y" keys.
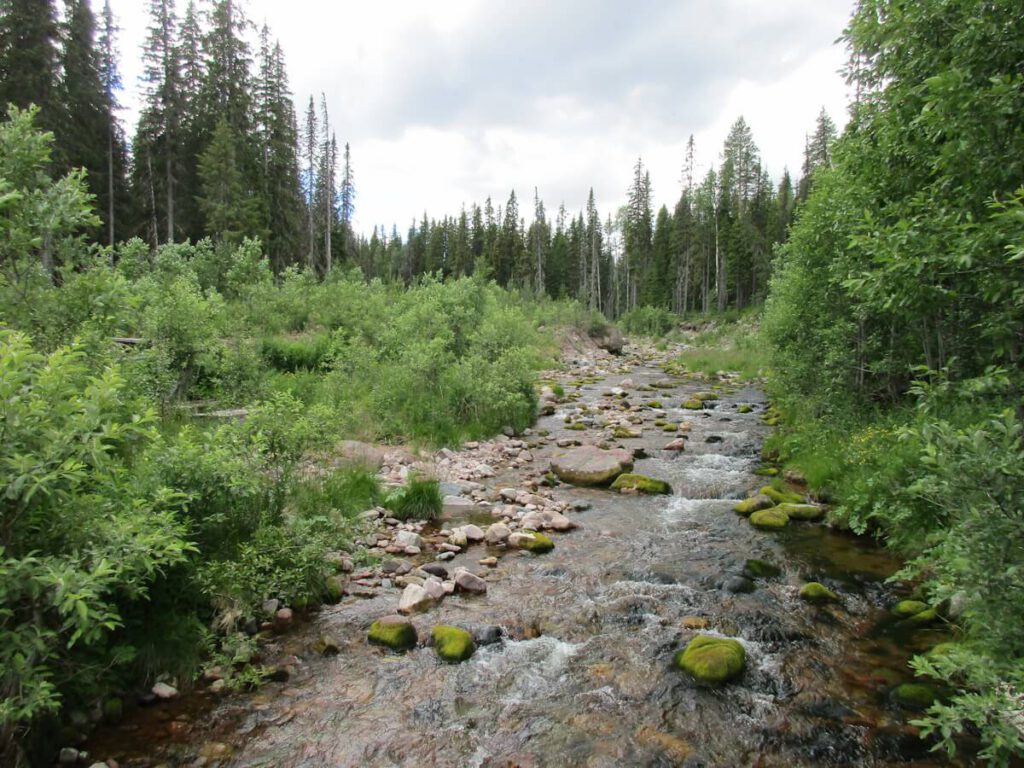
{"x": 584, "y": 676}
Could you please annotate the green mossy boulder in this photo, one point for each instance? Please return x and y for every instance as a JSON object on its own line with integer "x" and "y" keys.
{"x": 745, "y": 409}
{"x": 816, "y": 593}
{"x": 625, "y": 433}
{"x": 769, "y": 519}
{"x": 693, "y": 404}
{"x": 914, "y": 696}
{"x": 712, "y": 660}
{"x": 641, "y": 483}
{"x": 922, "y": 618}
{"x": 453, "y": 644}
{"x": 802, "y": 511}
{"x": 533, "y": 541}
{"x": 705, "y": 396}
{"x": 904, "y": 609}
{"x": 394, "y": 632}
{"x": 669, "y": 427}
{"x": 759, "y": 569}
{"x": 654, "y": 404}
{"x": 576, "y": 426}
{"x": 754, "y": 504}
{"x": 781, "y": 497}
{"x": 113, "y": 710}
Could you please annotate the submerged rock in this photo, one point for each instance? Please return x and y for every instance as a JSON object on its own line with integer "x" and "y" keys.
{"x": 453, "y": 644}
{"x": 712, "y": 660}
{"x": 590, "y": 465}
{"x": 467, "y": 581}
{"x": 693, "y": 404}
{"x": 739, "y": 585}
{"x": 753, "y": 504}
{"x": 769, "y": 519}
{"x": 641, "y": 483}
{"x": 815, "y": 592}
{"x": 915, "y": 696}
{"x": 759, "y": 569}
{"x": 394, "y": 632}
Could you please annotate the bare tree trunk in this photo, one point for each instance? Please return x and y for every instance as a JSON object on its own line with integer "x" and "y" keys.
{"x": 170, "y": 199}
{"x": 154, "y": 226}
{"x": 110, "y": 182}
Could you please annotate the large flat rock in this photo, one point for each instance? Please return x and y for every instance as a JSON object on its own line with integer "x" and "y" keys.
{"x": 590, "y": 465}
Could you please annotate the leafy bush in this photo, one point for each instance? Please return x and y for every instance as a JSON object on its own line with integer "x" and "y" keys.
{"x": 419, "y": 499}
{"x": 296, "y": 353}
{"x": 648, "y": 321}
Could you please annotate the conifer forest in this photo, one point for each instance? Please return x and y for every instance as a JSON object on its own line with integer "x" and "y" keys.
{"x": 723, "y": 473}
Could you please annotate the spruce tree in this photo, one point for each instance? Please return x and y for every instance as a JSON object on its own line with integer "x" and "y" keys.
{"x": 29, "y": 38}
{"x": 230, "y": 209}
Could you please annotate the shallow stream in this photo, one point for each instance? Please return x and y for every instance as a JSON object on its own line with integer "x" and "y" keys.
{"x": 585, "y": 676}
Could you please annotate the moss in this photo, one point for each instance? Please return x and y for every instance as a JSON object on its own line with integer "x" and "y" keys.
{"x": 576, "y": 427}
{"x": 771, "y": 421}
{"x": 928, "y": 616}
{"x": 453, "y": 644}
{"x": 669, "y": 427}
{"x": 769, "y": 519}
{"x": 693, "y": 404}
{"x": 654, "y": 404}
{"x": 915, "y": 696}
{"x": 813, "y": 592}
{"x": 705, "y": 396}
{"x": 759, "y": 569}
{"x": 745, "y": 409}
{"x": 781, "y": 497}
{"x": 641, "y": 483}
{"x": 537, "y": 543}
{"x": 753, "y": 504}
{"x": 712, "y": 660}
{"x": 766, "y": 471}
{"x": 393, "y": 632}
{"x": 802, "y": 511}
{"x": 113, "y": 710}
{"x": 904, "y": 609}
{"x": 625, "y": 433}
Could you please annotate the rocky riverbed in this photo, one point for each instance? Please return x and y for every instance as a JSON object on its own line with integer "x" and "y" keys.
{"x": 574, "y": 653}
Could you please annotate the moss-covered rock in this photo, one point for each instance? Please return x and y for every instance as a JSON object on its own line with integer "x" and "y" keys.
{"x": 922, "y": 618}
{"x": 759, "y": 569}
{"x": 531, "y": 541}
{"x": 453, "y": 644}
{"x": 576, "y": 426}
{"x": 766, "y": 471}
{"x": 654, "y": 404}
{"x": 802, "y": 511}
{"x": 693, "y": 404}
{"x": 113, "y": 710}
{"x": 705, "y": 396}
{"x": 394, "y": 632}
{"x": 753, "y": 504}
{"x": 781, "y": 497}
{"x": 914, "y": 696}
{"x": 814, "y": 592}
{"x": 712, "y": 660}
{"x": 590, "y": 465}
{"x": 769, "y": 519}
{"x": 641, "y": 483}
{"x": 745, "y": 409}
{"x": 669, "y": 427}
{"x": 904, "y": 609}
{"x": 625, "y": 433}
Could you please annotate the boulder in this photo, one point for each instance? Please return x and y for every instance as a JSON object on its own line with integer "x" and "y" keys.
{"x": 712, "y": 660}
{"x": 754, "y": 504}
{"x": 394, "y": 632}
{"x": 759, "y": 569}
{"x": 693, "y": 404}
{"x": 590, "y": 465}
{"x": 453, "y": 644}
{"x": 914, "y": 696}
{"x": 814, "y": 592}
{"x": 435, "y": 569}
{"x": 610, "y": 340}
{"x": 626, "y": 433}
{"x": 641, "y": 483}
{"x": 455, "y": 505}
{"x": 474, "y": 533}
{"x": 408, "y": 539}
{"x": 781, "y": 497}
{"x": 466, "y": 581}
{"x": 802, "y": 511}
{"x": 414, "y": 599}
{"x": 769, "y": 519}
{"x": 904, "y": 609}
{"x": 531, "y": 541}
{"x": 679, "y": 444}
{"x": 497, "y": 533}
{"x": 361, "y": 454}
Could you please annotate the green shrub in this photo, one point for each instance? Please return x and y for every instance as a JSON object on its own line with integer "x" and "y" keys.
{"x": 419, "y": 499}
{"x": 296, "y": 353}
{"x": 648, "y": 321}
{"x": 348, "y": 491}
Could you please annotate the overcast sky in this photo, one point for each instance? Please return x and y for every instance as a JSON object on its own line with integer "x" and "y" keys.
{"x": 445, "y": 103}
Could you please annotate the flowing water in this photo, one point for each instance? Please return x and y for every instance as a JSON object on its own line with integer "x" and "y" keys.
{"x": 584, "y": 676}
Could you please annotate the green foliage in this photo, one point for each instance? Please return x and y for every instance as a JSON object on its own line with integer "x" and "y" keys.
{"x": 296, "y": 353}
{"x": 419, "y": 499}
{"x": 347, "y": 491}
{"x": 82, "y": 543}
{"x": 648, "y": 321}
{"x": 729, "y": 343}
